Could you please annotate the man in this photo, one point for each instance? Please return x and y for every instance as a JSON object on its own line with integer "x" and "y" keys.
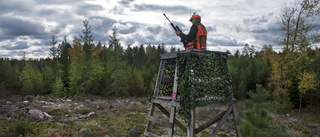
{"x": 197, "y": 36}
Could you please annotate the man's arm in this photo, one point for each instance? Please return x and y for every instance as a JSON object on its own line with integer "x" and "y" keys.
{"x": 191, "y": 35}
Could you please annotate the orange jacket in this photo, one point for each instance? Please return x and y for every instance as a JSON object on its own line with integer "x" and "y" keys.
{"x": 200, "y": 40}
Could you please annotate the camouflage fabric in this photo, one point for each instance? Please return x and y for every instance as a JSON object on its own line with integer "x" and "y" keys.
{"x": 202, "y": 79}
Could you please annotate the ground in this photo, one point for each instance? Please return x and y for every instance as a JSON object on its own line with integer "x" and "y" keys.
{"x": 85, "y": 115}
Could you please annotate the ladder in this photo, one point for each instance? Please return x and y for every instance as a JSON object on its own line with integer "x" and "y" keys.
{"x": 172, "y": 100}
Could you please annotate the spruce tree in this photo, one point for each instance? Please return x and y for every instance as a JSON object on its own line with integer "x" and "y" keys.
{"x": 258, "y": 120}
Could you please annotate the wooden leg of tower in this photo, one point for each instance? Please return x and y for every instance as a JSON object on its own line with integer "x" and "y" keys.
{"x": 171, "y": 120}
{"x": 223, "y": 119}
{"x": 191, "y": 127}
{"x": 150, "y": 114}
{"x": 235, "y": 116}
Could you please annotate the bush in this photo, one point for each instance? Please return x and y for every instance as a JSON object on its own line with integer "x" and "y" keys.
{"x": 2, "y": 89}
{"x": 22, "y": 127}
{"x": 258, "y": 120}
{"x": 58, "y": 88}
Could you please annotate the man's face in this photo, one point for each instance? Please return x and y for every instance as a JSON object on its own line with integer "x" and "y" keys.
{"x": 194, "y": 20}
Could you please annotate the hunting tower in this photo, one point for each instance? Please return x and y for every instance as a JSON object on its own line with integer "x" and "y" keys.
{"x": 188, "y": 80}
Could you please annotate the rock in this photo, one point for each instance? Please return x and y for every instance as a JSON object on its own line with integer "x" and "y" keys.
{"x": 8, "y": 103}
{"x": 29, "y": 98}
{"x": 37, "y": 114}
{"x": 131, "y": 103}
{"x": 47, "y": 115}
{"x": 92, "y": 114}
{"x": 133, "y": 132}
{"x": 84, "y": 131}
{"x": 25, "y": 102}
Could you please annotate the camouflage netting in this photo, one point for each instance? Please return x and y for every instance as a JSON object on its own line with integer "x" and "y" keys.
{"x": 202, "y": 80}
{"x": 168, "y": 72}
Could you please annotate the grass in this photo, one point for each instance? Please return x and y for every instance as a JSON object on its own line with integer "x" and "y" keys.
{"x": 115, "y": 117}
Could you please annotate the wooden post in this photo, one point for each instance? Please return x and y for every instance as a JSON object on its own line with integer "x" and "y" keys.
{"x": 191, "y": 127}
{"x": 235, "y": 116}
{"x": 174, "y": 97}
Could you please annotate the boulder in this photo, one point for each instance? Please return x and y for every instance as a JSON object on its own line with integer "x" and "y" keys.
{"x": 37, "y": 114}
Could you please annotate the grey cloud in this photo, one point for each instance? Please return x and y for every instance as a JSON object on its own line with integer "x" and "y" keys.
{"x": 57, "y": 2}
{"x": 8, "y": 6}
{"x": 100, "y": 26}
{"x": 124, "y": 29}
{"x": 225, "y": 41}
{"x": 86, "y": 9}
{"x": 172, "y": 9}
{"x": 154, "y": 29}
{"x": 211, "y": 28}
{"x": 125, "y": 2}
{"x": 18, "y": 45}
{"x": 117, "y": 10}
{"x": 15, "y": 27}
{"x": 47, "y": 12}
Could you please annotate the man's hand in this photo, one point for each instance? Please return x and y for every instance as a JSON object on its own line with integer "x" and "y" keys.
{"x": 178, "y": 33}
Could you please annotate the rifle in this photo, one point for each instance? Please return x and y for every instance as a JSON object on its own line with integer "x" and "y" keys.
{"x": 176, "y": 28}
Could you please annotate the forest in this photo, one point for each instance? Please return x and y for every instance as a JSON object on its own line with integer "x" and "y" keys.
{"x": 291, "y": 75}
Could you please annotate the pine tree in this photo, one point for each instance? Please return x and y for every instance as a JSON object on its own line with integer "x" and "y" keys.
{"x": 31, "y": 79}
{"x": 54, "y": 51}
{"x": 258, "y": 120}
{"x": 58, "y": 88}
{"x": 87, "y": 37}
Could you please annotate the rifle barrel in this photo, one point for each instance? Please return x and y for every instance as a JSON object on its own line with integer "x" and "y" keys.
{"x": 167, "y": 17}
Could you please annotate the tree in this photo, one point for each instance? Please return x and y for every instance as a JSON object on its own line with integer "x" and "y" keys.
{"x": 48, "y": 78}
{"x": 76, "y": 52}
{"x": 141, "y": 57}
{"x": 298, "y": 24}
{"x": 118, "y": 75}
{"x": 54, "y": 51}
{"x": 58, "y": 88}
{"x": 128, "y": 55}
{"x": 87, "y": 37}
{"x": 31, "y": 79}
{"x": 258, "y": 120}
{"x": 248, "y": 51}
{"x": 64, "y": 60}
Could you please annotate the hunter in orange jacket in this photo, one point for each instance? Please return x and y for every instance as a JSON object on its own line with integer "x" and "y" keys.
{"x": 197, "y": 36}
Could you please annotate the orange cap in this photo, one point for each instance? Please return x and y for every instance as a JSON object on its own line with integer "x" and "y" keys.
{"x": 195, "y": 16}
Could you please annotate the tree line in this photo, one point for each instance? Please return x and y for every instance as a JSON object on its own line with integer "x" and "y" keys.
{"x": 83, "y": 67}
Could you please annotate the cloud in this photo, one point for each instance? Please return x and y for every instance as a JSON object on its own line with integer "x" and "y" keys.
{"x": 57, "y": 2}
{"x": 175, "y": 9}
{"x": 125, "y": 2}
{"x": 16, "y": 6}
{"x": 225, "y": 41}
{"x": 28, "y": 26}
{"x": 88, "y": 9}
{"x": 18, "y": 45}
{"x": 14, "y": 27}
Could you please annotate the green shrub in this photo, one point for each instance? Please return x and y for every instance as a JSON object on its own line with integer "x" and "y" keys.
{"x": 22, "y": 127}
{"x": 258, "y": 120}
{"x": 58, "y": 88}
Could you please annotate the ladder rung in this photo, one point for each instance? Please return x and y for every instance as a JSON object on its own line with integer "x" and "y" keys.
{"x": 160, "y": 121}
{"x": 167, "y": 80}
{"x": 148, "y": 134}
{"x": 166, "y": 102}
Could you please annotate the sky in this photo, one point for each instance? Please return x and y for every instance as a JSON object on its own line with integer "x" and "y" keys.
{"x": 26, "y": 26}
